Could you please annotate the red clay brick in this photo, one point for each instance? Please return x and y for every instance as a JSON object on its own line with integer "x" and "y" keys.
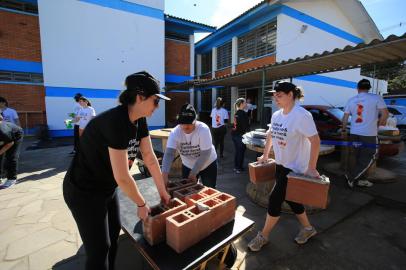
{"x": 174, "y": 185}
{"x": 262, "y": 172}
{"x": 182, "y": 193}
{"x": 308, "y": 191}
{"x": 203, "y": 194}
{"x": 222, "y": 209}
{"x": 187, "y": 228}
{"x": 154, "y": 228}
{"x": 177, "y": 57}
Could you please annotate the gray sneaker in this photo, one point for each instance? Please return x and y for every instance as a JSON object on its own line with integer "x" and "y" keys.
{"x": 258, "y": 242}
{"x": 8, "y": 183}
{"x": 305, "y": 235}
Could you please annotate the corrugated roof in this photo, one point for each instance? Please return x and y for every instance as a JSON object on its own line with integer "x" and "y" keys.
{"x": 189, "y": 21}
{"x": 392, "y": 48}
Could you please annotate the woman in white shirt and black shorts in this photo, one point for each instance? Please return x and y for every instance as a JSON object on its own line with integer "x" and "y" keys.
{"x": 296, "y": 144}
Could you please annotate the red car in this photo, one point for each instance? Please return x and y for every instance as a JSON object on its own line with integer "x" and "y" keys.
{"x": 328, "y": 124}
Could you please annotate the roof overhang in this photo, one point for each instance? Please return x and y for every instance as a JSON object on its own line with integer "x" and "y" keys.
{"x": 391, "y": 49}
{"x": 180, "y": 25}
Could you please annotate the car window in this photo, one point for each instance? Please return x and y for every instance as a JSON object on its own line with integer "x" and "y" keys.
{"x": 393, "y": 111}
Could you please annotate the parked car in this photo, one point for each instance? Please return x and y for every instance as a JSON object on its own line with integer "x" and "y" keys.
{"x": 329, "y": 123}
{"x": 399, "y": 112}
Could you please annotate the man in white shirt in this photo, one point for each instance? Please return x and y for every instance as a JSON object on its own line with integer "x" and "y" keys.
{"x": 367, "y": 111}
{"x": 9, "y": 114}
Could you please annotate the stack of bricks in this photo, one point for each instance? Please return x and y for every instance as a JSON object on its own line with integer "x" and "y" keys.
{"x": 195, "y": 212}
{"x": 179, "y": 184}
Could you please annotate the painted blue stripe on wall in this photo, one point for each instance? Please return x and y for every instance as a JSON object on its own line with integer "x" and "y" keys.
{"x": 90, "y": 93}
{"x": 20, "y": 66}
{"x": 328, "y": 80}
{"x": 319, "y": 24}
{"x": 129, "y": 7}
{"x": 171, "y": 78}
{"x": 69, "y": 132}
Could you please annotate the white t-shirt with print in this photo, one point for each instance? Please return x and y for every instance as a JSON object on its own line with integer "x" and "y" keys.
{"x": 364, "y": 109}
{"x": 190, "y": 145}
{"x": 218, "y": 117}
{"x": 10, "y": 115}
{"x": 289, "y": 138}
{"x": 86, "y": 114}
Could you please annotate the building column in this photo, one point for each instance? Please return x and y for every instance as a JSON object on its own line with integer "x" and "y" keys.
{"x": 213, "y": 74}
{"x": 234, "y": 53}
{"x": 198, "y": 65}
{"x": 234, "y": 96}
{"x": 192, "y": 66}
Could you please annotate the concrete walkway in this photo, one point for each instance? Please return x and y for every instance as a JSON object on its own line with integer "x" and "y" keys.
{"x": 362, "y": 229}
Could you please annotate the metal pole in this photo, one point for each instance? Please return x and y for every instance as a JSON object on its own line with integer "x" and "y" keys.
{"x": 261, "y": 105}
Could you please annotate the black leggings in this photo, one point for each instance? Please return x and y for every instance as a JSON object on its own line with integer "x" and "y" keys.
{"x": 278, "y": 193}
{"x": 98, "y": 219}
{"x": 218, "y": 138}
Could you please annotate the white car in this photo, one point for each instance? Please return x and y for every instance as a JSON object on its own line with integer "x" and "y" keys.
{"x": 399, "y": 112}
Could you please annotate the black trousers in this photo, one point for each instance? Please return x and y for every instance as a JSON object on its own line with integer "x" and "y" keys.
{"x": 218, "y": 138}
{"x": 75, "y": 138}
{"x": 361, "y": 158}
{"x": 98, "y": 219}
{"x": 9, "y": 160}
{"x": 239, "y": 151}
{"x": 278, "y": 193}
{"x": 208, "y": 175}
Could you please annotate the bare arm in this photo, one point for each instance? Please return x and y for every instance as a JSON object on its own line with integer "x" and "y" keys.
{"x": 6, "y": 147}
{"x": 314, "y": 155}
{"x": 384, "y": 116}
{"x": 345, "y": 121}
{"x": 119, "y": 164}
{"x": 268, "y": 145}
{"x": 152, "y": 164}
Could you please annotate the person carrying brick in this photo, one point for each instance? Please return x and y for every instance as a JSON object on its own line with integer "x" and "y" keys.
{"x": 109, "y": 143}
{"x": 367, "y": 111}
{"x": 192, "y": 139}
{"x": 293, "y": 135}
{"x": 11, "y": 138}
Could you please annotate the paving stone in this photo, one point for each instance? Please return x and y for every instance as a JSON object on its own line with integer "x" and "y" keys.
{"x": 57, "y": 192}
{"x": 5, "y": 265}
{"x": 8, "y": 213}
{"x": 10, "y": 196}
{"x": 30, "y": 218}
{"x": 55, "y": 205}
{"x": 6, "y": 224}
{"x": 48, "y": 216}
{"x": 33, "y": 242}
{"x": 33, "y": 207}
{"x": 23, "y": 200}
{"x": 16, "y": 232}
{"x": 64, "y": 221}
{"x": 48, "y": 256}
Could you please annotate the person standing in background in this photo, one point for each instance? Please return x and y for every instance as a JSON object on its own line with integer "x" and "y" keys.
{"x": 240, "y": 127}
{"x": 9, "y": 114}
{"x": 219, "y": 118}
{"x": 86, "y": 114}
{"x": 368, "y": 111}
{"x": 76, "y": 110}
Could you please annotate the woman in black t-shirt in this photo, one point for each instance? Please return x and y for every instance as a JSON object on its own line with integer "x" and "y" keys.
{"x": 240, "y": 126}
{"x": 107, "y": 150}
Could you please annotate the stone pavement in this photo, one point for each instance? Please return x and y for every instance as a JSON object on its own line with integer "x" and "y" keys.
{"x": 362, "y": 229}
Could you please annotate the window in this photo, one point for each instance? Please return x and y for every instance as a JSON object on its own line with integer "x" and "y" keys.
{"x": 261, "y": 41}
{"x": 224, "y": 55}
{"x": 206, "y": 62}
{"x": 12, "y": 76}
{"x": 177, "y": 36}
{"x": 18, "y": 5}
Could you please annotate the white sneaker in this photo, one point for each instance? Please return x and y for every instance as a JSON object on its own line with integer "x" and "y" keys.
{"x": 8, "y": 183}
{"x": 258, "y": 242}
{"x": 364, "y": 183}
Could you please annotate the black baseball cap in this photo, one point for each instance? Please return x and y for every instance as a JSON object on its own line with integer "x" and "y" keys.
{"x": 145, "y": 84}
{"x": 364, "y": 84}
{"x": 187, "y": 114}
{"x": 283, "y": 86}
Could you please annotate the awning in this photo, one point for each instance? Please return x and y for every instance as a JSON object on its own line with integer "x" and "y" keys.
{"x": 392, "y": 48}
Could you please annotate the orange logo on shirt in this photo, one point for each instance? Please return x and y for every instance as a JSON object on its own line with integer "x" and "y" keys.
{"x": 217, "y": 119}
{"x": 282, "y": 143}
{"x": 360, "y": 109}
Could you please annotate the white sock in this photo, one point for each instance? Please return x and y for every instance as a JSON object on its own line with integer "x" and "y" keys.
{"x": 310, "y": 228}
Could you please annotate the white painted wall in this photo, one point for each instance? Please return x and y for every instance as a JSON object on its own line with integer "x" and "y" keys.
{"x": 89, "y": 46}
{"x": 292, "y": 43}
